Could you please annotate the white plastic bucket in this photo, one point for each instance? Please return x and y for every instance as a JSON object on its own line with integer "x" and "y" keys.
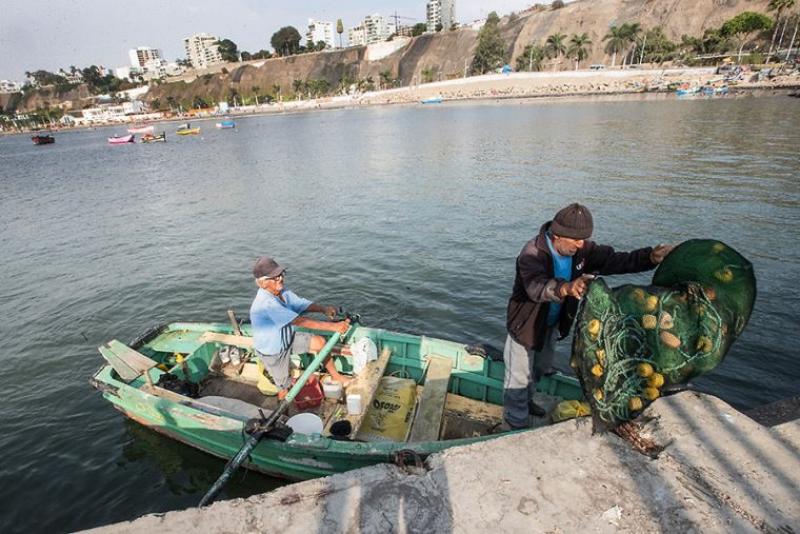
{"x": 306, "y": 423}
{"x": 354, "y": 404}
{"x": 331, "y": 388}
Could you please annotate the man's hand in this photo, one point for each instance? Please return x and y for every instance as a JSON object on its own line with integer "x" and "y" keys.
{"x": 577, "y": 287}
{"x": 660, "y": 252}
{"x": 330, "y": 312}
{"x": 342, "y": 326}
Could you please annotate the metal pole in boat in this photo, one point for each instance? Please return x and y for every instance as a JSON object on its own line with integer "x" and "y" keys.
{"x": 234, "y": 463}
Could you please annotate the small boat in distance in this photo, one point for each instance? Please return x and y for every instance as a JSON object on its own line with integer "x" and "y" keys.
{"x": 141, "y": 129}
{"x": 117, "y": 140}
{"x": 150, "y": 138}
{"x": 226, "y": 124}
{"x": 432, "y": 100}
{"x": 188, "y": 131}
{"x": 43, "y": 139}
{"x": 184, "y": 126}
{"x": 685, "y": 89}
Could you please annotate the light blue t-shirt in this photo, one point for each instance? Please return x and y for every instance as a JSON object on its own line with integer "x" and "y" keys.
{"x": 271, "y": 320}
{"x": 562, "y": 268}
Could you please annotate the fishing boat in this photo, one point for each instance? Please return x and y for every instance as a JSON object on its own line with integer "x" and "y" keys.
{"x": 43, "y": 139}
{"x": 141, "y": 129}
{"x": 172, "y": 381}
{"x": 117, "y": 140}
{"x": 188, "y": 131}
{"x": 714, "y": 90}
{"x": 687, "y": 90}
{"x": 432, "y": 100}
{"x": 150, "y": 138}
{"x": 226, "y": 124}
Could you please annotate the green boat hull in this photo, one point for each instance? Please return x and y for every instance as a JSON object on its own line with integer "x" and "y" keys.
{"x": 300, "y": 457}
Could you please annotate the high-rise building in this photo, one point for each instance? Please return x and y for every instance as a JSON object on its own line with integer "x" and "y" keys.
{"x": 441, "y": 12}
{"x": 378, "y": 28}
{"x": 433, "y": 12}
{"x": 143, "y": 55}
{"x": 201, "y": 50}
{"x": 357, "y": 36}
{"x": 320, "y": 31}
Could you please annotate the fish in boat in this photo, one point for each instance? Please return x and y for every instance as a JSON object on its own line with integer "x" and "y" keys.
{"x": 459, "y": 396}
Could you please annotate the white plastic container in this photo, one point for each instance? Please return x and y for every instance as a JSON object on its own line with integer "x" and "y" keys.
{"x": 331, "y": 388}
{"x": 306, "y": 423}
{"x": 364, "y": 350}
{"x": 224, "y": 355}
{"x": 354, "y": 404}
{"x": 234, "y": 355}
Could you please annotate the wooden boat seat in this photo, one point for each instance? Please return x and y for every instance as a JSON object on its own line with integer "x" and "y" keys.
{"x": 428, "y": 420}
{"x": 128, "y": 363}
{"x": 240, "y": 408}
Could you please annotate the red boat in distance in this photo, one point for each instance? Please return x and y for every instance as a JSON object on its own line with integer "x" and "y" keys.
{"x": 43, "y": 139}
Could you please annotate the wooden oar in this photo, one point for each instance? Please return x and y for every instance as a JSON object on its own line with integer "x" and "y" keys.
{"x": 234, "y": 463}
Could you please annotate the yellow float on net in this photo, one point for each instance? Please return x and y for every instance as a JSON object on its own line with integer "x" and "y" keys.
{"x": 635, "y": 404}
{"x": 724, "y": 275}
{"x": 597, "y": 370}
{"x": 651, "y": 303}
{"x": 639, "y": 294}
{"x": 704, "y": 344}
{"x": 598, "y": 394}
{"x": 717, "y": 248}
{"x": 649, "y": 321}
{"x": 656, "y": 380}
{"x": 644, "y": 370}
{"x": 593, "y": 327}
{"x": 666, "y": 322}
{"x": 670, "y": 340}
{"x": 650, "y": 393}
{"x": 600, "y": 354}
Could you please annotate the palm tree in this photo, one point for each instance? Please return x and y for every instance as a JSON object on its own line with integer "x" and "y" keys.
{"x": 617, "y": 40}
{"x": 276, "y": 91}
{"x": 631, "y": 31}
{"x": 577, "y": 48}
{"x": 779, "y": 6}
{"x": 554, "y": 45}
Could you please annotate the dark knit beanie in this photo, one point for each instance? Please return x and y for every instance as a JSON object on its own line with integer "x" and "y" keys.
{"x": 574, "y": 221}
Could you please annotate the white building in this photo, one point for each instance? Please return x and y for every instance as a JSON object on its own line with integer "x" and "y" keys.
{"x": 320, "y": 31}
{"x": 357, "y": 36}
{"x": 377, "y": 28}
{"x": 143, "y": 55}
{"x": 112, "y": 112}
{"x": 7, "y": 86}
{"x": 201, "y": 50}
{"x": 433, "y": 13}
{"x": 441, "y": 12}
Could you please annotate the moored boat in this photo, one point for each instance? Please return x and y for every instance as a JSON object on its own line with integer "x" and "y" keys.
{"x": 121, "y": 140}
{"x": 188, "y": 131}
{"x": 457, "y": 391}
{"x": 432, "y": 100}
{"x": 150, "y": 138}
{"x": 226, "y": 124}
{"x": 43, "y": 139}
{"x": 141, "y": 129}
{"x": 687, "y": 90}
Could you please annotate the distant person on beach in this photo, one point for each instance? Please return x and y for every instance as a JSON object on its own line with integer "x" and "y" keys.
{"x": 552, "y": 273}
{"x": 274, "y": 314}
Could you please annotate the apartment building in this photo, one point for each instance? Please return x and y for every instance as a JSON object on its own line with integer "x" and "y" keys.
{"x": 321, "y": 31}
{"x": 201, "y": 50}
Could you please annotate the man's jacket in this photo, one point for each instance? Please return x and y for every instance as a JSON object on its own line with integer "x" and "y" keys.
{"x": 535, "y": 288}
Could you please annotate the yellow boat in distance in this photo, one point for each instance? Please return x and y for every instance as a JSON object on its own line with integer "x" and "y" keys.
{"x": 188, "y": 131}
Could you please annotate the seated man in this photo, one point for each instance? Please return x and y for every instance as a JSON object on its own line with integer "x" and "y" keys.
{"x": 274, "y": 314}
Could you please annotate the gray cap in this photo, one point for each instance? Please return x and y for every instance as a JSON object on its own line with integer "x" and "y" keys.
{"x": 574, "y": 221}
{"x": 266, "y": 266}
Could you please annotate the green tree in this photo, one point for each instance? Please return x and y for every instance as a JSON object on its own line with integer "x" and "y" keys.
{"x": 617, "y": 41}
{"x": 657, "y": 47}
{"x": 577, "y": 48}
{"x": 418, "y": 29}
{"x": 428, "y": 74}
{"x": 557, "y": 4}
{"x": 321, "y": 45}
{"x": 228, "y": 50}
{"x": 246, "y": 56}
{"x": 531, "y": 58}
{"x": 491, "y": 52}
{"x": 340, "y": 30}
{"x": 155, "y": 104}
{"x": 631, "y": 31}
{"x": 298, "y": 86}
{"x": 286, "y": 41}
{"x": 744, "y": 25}
{"x": 554, "y": 46}
{"x": 385, "y": 77}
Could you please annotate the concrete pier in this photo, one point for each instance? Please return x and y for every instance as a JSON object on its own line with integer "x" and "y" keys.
{"x": 719, "y": 471}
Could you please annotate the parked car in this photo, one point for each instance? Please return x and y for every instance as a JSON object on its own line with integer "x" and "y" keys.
{"x": 597, "y": 67}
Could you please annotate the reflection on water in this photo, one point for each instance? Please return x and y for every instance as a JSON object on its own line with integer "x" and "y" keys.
{"x": 410, "y": 216}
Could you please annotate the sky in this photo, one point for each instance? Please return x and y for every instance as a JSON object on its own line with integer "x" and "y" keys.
{"x": 48, "y": 34}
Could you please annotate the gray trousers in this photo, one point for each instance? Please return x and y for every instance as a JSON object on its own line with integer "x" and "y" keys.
{"x": 523, "y": 369}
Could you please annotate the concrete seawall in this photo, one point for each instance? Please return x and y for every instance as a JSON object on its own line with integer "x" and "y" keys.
{"x": 717, "y": 471}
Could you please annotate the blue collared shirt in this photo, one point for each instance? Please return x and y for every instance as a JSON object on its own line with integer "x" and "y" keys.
{"x": 271, "y": 320}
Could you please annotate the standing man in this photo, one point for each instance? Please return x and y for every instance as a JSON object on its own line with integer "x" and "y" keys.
{"x": 274, "y": 314}
{"x": 552, "y": 273}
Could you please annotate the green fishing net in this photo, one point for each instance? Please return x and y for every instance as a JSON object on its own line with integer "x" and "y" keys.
{"x": 633, "y": 343}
